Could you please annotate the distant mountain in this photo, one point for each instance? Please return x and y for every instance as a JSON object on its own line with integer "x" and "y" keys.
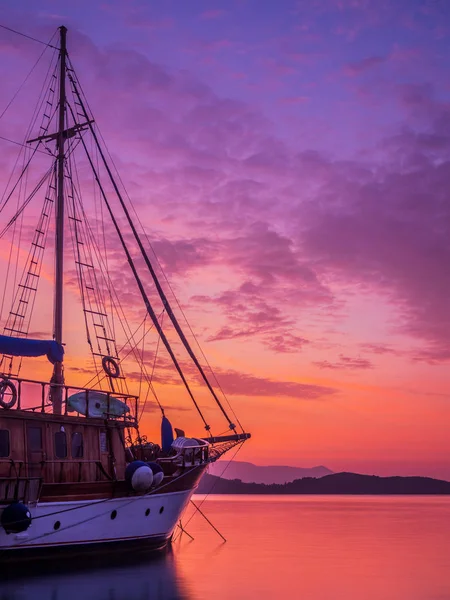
{"x": 250, "y": 473}
{"x": 337, "y": 483}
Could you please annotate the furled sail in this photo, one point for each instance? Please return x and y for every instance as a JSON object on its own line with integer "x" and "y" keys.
{"x": 12, "y": 346}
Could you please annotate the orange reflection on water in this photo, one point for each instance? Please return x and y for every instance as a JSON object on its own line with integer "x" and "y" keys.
{"x": 319, "y": 548}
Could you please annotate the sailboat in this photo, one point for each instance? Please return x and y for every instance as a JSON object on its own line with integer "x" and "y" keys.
{"x": 77, "y": 473}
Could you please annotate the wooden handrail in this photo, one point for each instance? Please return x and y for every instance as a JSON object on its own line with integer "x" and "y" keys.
{"x": 44, "y": 384}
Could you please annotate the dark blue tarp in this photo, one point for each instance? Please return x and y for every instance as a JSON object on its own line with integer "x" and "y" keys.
{"x": 23, "y": 347}
{"x": 166, "y": 434}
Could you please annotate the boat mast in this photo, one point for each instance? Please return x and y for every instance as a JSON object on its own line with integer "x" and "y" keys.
{"x": 58, "y": 373}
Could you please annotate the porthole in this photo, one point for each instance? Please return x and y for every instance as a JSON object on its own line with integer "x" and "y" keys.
{"x": 113, "y": 515}
{"x": 161, "y": 510}
{"x": 57, "y": 525}
{"x": 147, "y": 512}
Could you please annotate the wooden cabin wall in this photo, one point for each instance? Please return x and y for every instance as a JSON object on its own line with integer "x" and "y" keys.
{"x": 117, "y": 438}
{"x": 33, "y": 450}
{"x": 17, "y": 445}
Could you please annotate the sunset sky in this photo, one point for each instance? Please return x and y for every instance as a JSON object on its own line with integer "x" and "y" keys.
{"x": 290, "y": 162}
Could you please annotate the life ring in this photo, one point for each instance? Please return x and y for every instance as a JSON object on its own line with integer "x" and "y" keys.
{"x": 110, "y": 366}
{"x": 4, "y": 386}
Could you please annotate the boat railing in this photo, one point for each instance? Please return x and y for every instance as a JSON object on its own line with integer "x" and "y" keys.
{"x": 20, "y": 489}
{"x": 16, "y": 388}
{"x": 189, "y": 455}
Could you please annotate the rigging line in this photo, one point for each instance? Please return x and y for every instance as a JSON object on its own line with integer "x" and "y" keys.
{"x": 21, "y": 223}
{"x": 33, "y": 119}
{"x": 17, "y": 257}
{"x": 30, "y": 37}
{"x": 142, "y": 358}
{"x": 142, "y": 290}
{"x": 215, "y": 482}
{"x": 90, "y": 239}
{"x": 150, "y": 266}
{"x": 167, "y": 281}
{"x": 109, "y": 286}
{"x": 153, "y": 368}
{"x": 116, "y": 305}
{"x": 23, "y": 184}
{"x": 76, "y": 252}
{"x": 48, "y": 205}
{"x": 36, "y": 149}
{"x": 46, "y": 85}
{"x": 47, "y": 209}
{"x": 206, "y": 519}
{"x": 25, "y": 145}
{"x": 36, "y": 110}
{"x": 17, "y": 182}
{"x": 37, "y": 255}
{"x": 6, "y": 282}
{"x": 26, "y": 202}
{"x": 179, "y": 524}
{"x": 107, "y": 281}
{"x": 32, "y": 251}
{"x": 98, "y": 296}
{"x": 103, "y": 228}
{"x": 100, "y": 291}
{"x": 156, "y": 257}
{"x": 72, "y": 146}
{"x": 119, "y": 309}
{"x": 179, "y": 305}
{"x": 26, "y": 78}
{"x": 133, "y": 350}
{"x": 97, "y": 302}
{"x": 149, "y": 387}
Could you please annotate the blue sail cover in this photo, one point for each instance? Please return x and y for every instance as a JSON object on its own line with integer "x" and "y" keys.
{"x": 22, "y": 347}
{"x": 166, "y": 434}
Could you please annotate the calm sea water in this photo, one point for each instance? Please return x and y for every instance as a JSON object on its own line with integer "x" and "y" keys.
{"x": 308, "y": 547}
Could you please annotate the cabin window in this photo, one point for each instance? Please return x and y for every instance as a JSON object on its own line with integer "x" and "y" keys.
{"x": 60, "y": 444}
{"x": 77, "y": 445}
{"x": 103, "y": 442}
{"x": 4, "y": 443}
{"x": 34, "y": 439}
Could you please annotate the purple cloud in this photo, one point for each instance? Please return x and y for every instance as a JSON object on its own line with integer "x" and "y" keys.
{"x": 356, "y": 68}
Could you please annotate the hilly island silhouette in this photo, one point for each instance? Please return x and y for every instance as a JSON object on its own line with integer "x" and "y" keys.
{"x": 315, "y": 480}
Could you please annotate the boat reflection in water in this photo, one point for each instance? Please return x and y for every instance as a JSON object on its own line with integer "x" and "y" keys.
{"x": 134, "y": 578}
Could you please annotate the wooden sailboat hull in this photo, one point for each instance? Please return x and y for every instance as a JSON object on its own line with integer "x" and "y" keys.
{"x": 83, "y": 554}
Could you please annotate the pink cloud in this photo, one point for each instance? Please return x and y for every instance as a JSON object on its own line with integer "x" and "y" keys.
{"x": 378, "y": 349}
{"x": 389, "y": 229}
{"x": 345, "y": 363}
{"x": 249, "y": 385}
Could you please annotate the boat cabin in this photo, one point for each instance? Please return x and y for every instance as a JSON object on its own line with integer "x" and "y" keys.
{"x": 40, "y": 449}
